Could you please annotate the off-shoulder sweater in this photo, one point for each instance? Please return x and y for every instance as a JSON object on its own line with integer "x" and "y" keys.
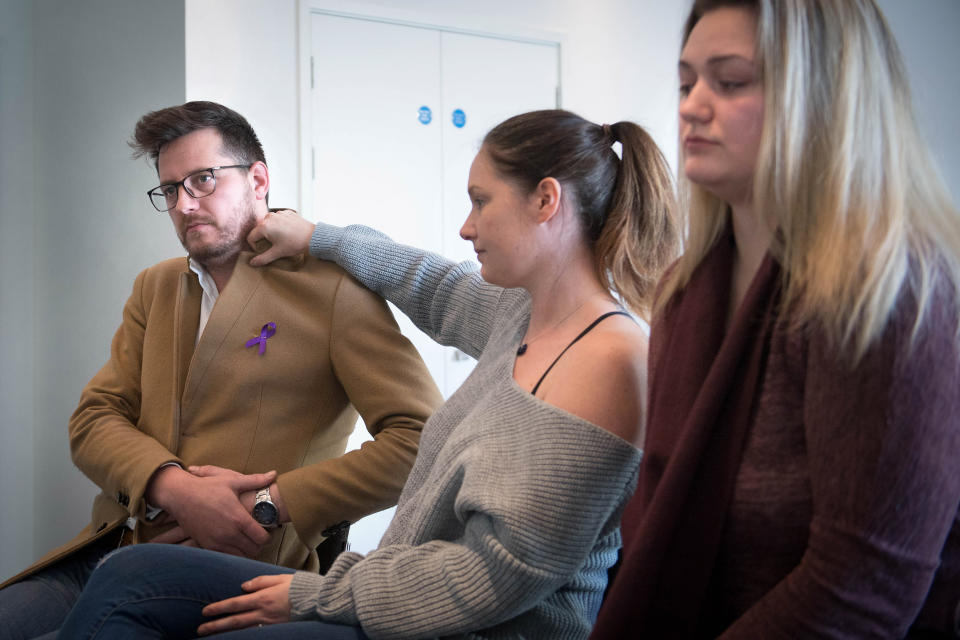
{"x": 509, "y": 519}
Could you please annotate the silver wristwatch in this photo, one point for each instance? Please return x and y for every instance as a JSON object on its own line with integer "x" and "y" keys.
{"x": 265, "y": 511}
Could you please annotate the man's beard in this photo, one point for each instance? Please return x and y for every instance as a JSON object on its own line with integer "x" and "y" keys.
{"x": 231, "y": 238}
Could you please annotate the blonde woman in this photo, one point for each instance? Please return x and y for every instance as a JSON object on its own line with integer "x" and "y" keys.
{"x": 801, "y": 476}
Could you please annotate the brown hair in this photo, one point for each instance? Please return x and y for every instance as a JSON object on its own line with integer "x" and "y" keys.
{"x": 158, "y": 128}
{"x": 627, "y": 206}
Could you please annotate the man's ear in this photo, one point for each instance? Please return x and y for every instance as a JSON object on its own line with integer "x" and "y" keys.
{"x": 259, "y": 179}
{"x": 547, "y": 197}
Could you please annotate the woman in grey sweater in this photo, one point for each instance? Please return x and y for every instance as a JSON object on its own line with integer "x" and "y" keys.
{"x": 509, "y": 519}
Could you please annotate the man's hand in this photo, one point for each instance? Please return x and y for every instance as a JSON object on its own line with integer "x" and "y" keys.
{"x": 247, "y": 498}
{"x": 286, "y": 231}
{"x": 208, "y": 510}
{"x": 267, "y": 602}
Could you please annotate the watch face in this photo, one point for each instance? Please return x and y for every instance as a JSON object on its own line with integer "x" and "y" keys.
{"x": 265, "y": 513}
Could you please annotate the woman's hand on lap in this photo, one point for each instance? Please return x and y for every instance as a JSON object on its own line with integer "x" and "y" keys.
{"x": 267, "y": 602}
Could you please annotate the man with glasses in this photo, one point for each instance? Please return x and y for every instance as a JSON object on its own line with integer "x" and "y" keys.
{"x": 222, "y": 415}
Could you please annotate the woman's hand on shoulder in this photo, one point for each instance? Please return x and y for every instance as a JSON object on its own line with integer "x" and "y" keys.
{"x": 287, "y": 232}
{"x": 603, "y": 379}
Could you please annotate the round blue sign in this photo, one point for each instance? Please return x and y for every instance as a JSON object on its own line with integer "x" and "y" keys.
{"x": 459, "y": 118}
{"x": 425, "y": 115}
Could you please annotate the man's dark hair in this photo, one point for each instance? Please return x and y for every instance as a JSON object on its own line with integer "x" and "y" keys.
{"x": 158, "y": 128}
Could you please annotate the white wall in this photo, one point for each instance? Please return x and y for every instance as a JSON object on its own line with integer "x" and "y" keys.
{"x": 927, "y": 33}
{"x": 599, "y": 37}
{"x": 252, "y": 46}
{"x": 618, "y": 61}
{"x": 16, "y": 285}
{"x": 76, "y": 229}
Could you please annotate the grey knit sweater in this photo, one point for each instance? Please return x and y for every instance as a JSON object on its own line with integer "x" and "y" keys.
{"x": 510, "y": 517}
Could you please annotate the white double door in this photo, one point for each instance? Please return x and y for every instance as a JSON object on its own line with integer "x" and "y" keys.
{"x": 398, "y": 114}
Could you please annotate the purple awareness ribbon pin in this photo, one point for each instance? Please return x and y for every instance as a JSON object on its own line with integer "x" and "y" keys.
{"x": 266, "y": 332}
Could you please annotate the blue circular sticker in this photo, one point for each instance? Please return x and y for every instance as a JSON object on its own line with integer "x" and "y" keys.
{"x": 425, "y": 115}
{"x": 459, "y": 118}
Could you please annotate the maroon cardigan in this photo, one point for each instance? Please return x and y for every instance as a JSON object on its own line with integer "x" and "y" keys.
{"x": 784, "y": 492}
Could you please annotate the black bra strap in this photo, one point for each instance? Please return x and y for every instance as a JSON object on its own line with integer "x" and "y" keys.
{"x": 574, "y": 341}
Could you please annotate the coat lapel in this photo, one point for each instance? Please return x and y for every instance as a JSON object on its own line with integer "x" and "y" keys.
{"x": 233, "y": 299}
{"x": 187, "y": 322}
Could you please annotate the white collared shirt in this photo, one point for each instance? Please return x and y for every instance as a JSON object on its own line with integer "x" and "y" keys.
{"x": 210, "y": 295}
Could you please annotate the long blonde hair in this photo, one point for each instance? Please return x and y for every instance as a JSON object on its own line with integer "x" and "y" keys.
{"x": 860, "y": 207}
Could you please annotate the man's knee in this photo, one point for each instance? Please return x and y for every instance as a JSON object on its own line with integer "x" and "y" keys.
{"x": 39, "y": 603}
{"x": 34, "y": 606}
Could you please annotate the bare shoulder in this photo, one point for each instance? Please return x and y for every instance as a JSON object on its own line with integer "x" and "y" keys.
{"x": 603, "y": 378}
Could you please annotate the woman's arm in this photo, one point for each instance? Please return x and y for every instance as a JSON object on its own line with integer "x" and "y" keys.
{"x": 528, "y": 517}
{"x": 450, "y": 302}
{"x": 883, "y": 440}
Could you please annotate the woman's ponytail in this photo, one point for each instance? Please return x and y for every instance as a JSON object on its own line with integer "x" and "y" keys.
{"x": 640, "y": 234}
{"x": 627, "y": 207}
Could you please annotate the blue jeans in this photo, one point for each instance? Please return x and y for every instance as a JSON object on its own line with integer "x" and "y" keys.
{"x": 37, "y": 605}
{"x": 158, "y": 591}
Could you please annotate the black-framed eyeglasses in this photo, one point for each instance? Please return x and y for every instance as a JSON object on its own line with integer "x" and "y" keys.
{"x": 198, "y": 184}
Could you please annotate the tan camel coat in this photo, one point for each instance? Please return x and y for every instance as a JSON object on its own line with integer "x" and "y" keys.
{"x": 336, "y": 351}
